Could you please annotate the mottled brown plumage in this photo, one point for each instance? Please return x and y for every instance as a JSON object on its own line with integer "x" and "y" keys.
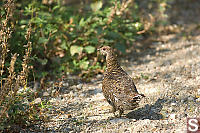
{"x": 117, "y": 86}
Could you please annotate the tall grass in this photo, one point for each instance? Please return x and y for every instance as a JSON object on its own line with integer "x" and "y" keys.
{"x": 17, "y": 107}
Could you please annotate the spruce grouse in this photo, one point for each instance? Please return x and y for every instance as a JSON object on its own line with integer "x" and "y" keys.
{"x": 117, "y": 86}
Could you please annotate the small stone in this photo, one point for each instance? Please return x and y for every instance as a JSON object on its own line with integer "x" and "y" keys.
{"x": 99, "y": 76}
{"x": 97, "y": 90}
{"x": 133, "y": 120}
{"x": 73, "y": 87}
{"x": 68, "y": 129}
{"x": 173, "y": 104}
{"x": 190, "y": 98}
{"x": 183, "y": 100}
{"x": 53, "y": 91}
{"x": 37, "y": 100}
{"x": 82, "y": 95}
{"x": 65, "y": 84}
{"x": 71, "y": 93}
{"x": 79, "y": 86}
{"x": 68, "y": 115}
{"x": 117, "y": 120}
{"x": 52, "y": 100}
{"x": 172, "y": 116}
{"x": 65, "y": 95}
{"x": 198, "y": 92}
{"x": 75, "y": 94}
{"x": 198, "y": 100}
{"x": 45, "y": 94}
{"x": 164, "y": 114}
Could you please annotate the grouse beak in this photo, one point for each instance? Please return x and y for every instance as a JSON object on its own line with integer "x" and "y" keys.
{"x": 99, "y": 48}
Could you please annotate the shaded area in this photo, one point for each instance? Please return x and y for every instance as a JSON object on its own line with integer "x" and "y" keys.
{"x": 184, "y": 12}
{"x": 151, "y": 112}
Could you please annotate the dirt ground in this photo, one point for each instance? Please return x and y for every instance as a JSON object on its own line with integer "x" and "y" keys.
{"x": 165, "y": 67}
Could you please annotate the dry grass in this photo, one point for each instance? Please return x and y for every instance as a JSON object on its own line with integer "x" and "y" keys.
{"x": 15, "y": 108}
{"x": 5, "y": 34}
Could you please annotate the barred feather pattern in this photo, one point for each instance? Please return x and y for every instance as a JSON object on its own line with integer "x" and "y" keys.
{"x": 117, "y": 86}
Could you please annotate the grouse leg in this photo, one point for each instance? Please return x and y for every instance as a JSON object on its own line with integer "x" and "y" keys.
{"x": 121, "y": 112}
{"x": 114, "y": 110}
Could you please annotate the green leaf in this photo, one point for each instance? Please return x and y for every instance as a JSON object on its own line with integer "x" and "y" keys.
{"x": 96, "y": 5}
{"x": 38, "y": 20}
{"x": 42, "y": 40}
{"x": 64, "y": 45}
{"x": 94, "y": 40}
{"x": 89, "y": 49}
{"x": 56, "y": 7}
{"x": 43, "y": 61}
{"x": 24, "y": 22}
{"x": 138, "y": 25}
{"x": 44, "y": 74}
{"x": 82, "y": 22}
{"x": 84, "y": 65}
{"x": 75, "y": 49}
{"x": 114, "y": 35}
{"x": 121, "y": 47}
{"x": 51, "y": 28}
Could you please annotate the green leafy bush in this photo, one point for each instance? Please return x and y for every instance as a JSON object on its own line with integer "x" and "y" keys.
{"x": 65, "y": 38}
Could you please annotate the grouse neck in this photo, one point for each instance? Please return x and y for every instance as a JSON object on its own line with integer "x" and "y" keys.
{"x": 111, "y": 62}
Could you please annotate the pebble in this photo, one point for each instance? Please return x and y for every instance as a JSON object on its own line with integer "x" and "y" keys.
{"x": 198, "y": 92}
{"x": 82, "y": 95}
{"x": 173, "y": 104}
{"x": 117, "y": 120}
{"x": 52, "y": 100}
{"x": 65, "y": 84}
{"x": 45, "y": 94}
{"x": 198, "y": 100}
{"x": 71, "y": 93}
{"x": 172, "y": 116}
{"x": 97, "y": 90}
{"x": 37, "y": 100}
{"x": 53, "y": 92}
{"x": 99, "y": 76}
{"x": 73, "y": 87}
{"x": 79, "y": 86}
{"x": 75, "y": 94}
{"x": 67, "y": 129}
{"x": 190, "y": 98}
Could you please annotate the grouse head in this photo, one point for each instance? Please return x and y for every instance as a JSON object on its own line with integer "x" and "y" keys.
{"x": 106, "y": 50}
{"x": 111, "y": 60}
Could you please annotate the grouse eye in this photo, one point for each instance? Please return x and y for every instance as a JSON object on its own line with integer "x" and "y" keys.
{"x": 104, "y": 49}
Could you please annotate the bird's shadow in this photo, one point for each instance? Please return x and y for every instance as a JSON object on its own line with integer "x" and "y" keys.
{"x": 151, "y": 112}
